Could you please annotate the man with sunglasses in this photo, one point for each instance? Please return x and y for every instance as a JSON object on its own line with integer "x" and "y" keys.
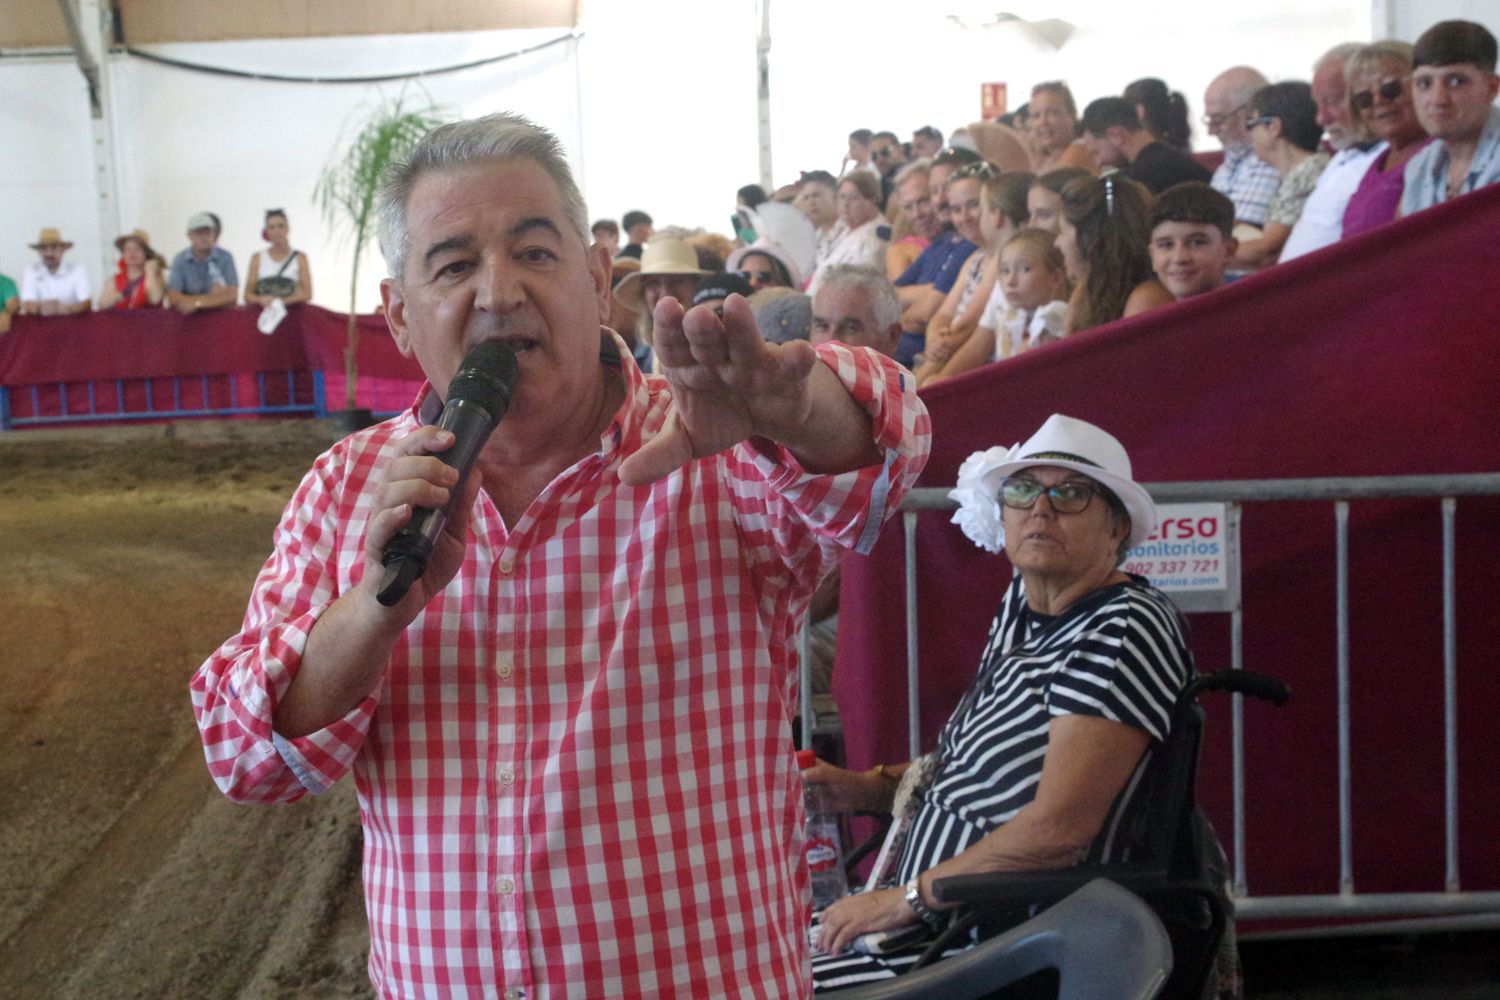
{"x": 1453, "y": 87}
{"x": 887, "y": 156}
{"x": 1242, "y": 176}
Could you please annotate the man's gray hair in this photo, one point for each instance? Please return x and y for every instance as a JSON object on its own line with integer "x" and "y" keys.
{"x": 493, "y": 137}
{"x": 920, "y": 167}
{"x": 1339, "y": 53}
{"x": 885, "y": 303}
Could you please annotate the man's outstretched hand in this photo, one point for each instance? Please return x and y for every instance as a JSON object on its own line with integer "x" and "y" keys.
{"x": 729, "y": 384}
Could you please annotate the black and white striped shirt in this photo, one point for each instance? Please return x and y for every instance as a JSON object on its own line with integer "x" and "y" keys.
{"x": 1120, "y": 653}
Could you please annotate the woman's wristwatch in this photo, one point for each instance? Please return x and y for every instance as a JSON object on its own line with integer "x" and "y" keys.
{"x": 925, "y": 913}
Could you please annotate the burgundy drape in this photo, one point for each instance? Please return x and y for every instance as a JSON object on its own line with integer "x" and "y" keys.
{"x": 1377, "y": 356}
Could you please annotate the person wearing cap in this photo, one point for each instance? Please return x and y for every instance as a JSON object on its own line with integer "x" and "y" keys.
{"x": 202, "y": 275}
{"x": 139, "y": 281}
{"x": 53, "y": 286}
{"x": 713, "y": 289}
{"x": 1076, "y": 684}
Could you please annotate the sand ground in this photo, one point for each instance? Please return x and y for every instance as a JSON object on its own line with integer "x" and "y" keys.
{"x": 128, "y": 556}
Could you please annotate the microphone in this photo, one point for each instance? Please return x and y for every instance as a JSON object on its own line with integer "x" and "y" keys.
{"x": 478, "y": 397}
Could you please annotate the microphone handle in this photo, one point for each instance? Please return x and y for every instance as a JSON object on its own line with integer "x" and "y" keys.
{"x": 405, "y": 556}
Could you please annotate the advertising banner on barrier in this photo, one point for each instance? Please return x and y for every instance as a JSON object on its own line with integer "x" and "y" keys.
{"x": 1192, "y": 556}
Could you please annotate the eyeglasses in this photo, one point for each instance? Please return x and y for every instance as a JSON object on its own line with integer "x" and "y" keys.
{"x": 1217, "y": 121}
{"x": 1262, "y": 120}
{"x": 1067, "y": 497}
{"x": 765, "y": 276}
{"x": 1389, "y": 90}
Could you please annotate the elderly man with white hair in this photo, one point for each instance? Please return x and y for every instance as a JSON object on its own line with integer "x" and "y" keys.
{"x": 1248, "y": 181}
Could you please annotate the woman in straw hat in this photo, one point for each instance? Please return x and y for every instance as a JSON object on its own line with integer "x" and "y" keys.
{"x": 1075, "y": 686}
{"x": 140, "y": 280}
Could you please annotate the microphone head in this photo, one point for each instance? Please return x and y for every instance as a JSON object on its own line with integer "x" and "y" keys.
{"x": 486, "y": 378}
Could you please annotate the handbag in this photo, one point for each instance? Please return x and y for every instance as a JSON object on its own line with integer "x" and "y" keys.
{"x": 278, "y": 284}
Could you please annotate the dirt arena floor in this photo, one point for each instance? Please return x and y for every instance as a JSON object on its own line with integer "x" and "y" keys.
{"x": 128, "y": 556}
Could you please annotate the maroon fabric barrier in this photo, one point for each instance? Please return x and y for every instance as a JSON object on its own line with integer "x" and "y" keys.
{"x": 1373, "y": 357}
{"x": 161, "y": 344}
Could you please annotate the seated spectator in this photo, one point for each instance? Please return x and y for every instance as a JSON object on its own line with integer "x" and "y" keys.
{"x": 10, "y": 302}
{"x": 750, "y": 196}
{"x": 764, "y": 265}
{"x": 817, "y": 196}
{"x": 1247, "y": 180}
{"x": 858, "y": 156}
{"x": 999, "y": 202}
{"x": 861, "y": 235}
{"x": 917, "y": 223}
{"x": 1192, "y": 238}
{"x": 203, "y": 275}
{"x": 1103, "y": 235}
{"x": 139, "y": 281}
{"x": 1455, "y": 84}
{"x": 887, "y": 156}
{"x": 669, "y": 267}
{"x": 606, "y": 233}
{"x": 1379, "y": 78}
{"x": 1044, "y": 199}
{"x": 925, "y": 284}
{"x": 1054, "y": 130}
{"x": 1322, "y": 219}
{"x": 1028, "y": 307}
{"x": 713, "y": 289}
{"x": 1076, "y": 685}
{"x": 1117, "y": 139}
{"x": 926, "y": 143}
{"x": 857, "y": 306}
{"x": 1163, "y": 112}
{"x": 278, "y": 271}
{"x": 782, "y": 314}
{"x": 52, "y": 286}
{"x": 623, "y": 319}
{"x": 637, "y": 226}
{"x": 1284, "y": 133}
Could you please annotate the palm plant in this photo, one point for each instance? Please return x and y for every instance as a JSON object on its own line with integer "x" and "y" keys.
{"x": 347, "y": 189}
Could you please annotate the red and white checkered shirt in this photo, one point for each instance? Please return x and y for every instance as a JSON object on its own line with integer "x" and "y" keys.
{"x": 576, "y": 778}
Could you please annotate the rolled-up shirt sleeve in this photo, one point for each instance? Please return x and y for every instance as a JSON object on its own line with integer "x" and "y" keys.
{"x": 236, "y": 691}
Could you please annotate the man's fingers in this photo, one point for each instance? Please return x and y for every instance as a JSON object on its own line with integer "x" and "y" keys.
{"x": 667, "y": 338}
{"x": 668, "y": 451}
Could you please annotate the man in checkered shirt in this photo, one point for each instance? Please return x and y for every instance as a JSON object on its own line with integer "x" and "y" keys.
{"x": 570, "y": 739}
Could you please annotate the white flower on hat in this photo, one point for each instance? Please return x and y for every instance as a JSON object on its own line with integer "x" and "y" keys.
{"x": 979, "y": 514}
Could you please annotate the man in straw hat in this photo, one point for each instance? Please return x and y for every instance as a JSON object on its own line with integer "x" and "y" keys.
{"x": 570, "y": 736}
{"x": 52, "y": 286}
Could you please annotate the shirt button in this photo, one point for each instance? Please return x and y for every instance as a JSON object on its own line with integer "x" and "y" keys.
{"x": 504, "y": 670}
{"x": 504, "y": 886}
{"x": 507, "y": 776}
{"x": 514, "y": 994}
{"x": 506, "y": 565}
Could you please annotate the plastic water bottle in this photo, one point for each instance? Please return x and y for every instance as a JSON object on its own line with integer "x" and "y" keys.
{"x": 825, "y": 850}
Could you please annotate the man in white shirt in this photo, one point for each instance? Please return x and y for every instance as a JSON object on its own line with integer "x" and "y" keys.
{"x": 1322, "y": 221}
{"x": 51, "y": 287}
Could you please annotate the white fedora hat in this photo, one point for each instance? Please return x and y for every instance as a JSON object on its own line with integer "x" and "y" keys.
{"x": 1064, "y": 442}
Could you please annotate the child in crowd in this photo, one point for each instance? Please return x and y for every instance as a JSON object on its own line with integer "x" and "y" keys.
{"x": 1002, "y": 210}
{"x": 1103, "y": 235}
{"x": 1027, "y": 308}
{"x": 1191, "y": 238}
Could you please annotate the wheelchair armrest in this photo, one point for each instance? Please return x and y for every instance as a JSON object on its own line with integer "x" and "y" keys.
{"x": 1008, "y": 888}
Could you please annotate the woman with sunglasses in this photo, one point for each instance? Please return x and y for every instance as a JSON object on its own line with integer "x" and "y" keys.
{"x": 1379, "y": 78}
{"x": 1075, "y": 686}
{"x": 1285, "y": 134}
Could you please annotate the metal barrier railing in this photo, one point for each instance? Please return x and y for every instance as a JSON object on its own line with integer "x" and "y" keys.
{"x": 190, "y": 396}
{"x": 1452, "y": 901}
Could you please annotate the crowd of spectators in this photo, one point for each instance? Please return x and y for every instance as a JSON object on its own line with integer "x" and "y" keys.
{"x": 201, "y": 276}
{"x": 1049, "y": 222}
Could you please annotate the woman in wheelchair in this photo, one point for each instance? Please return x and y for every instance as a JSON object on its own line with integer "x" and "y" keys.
{"x": 1076, "y": 684}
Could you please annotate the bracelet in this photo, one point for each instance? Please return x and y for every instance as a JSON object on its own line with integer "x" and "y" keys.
{"x": 883, "y": 774}
{"x": 924, "y": 913}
